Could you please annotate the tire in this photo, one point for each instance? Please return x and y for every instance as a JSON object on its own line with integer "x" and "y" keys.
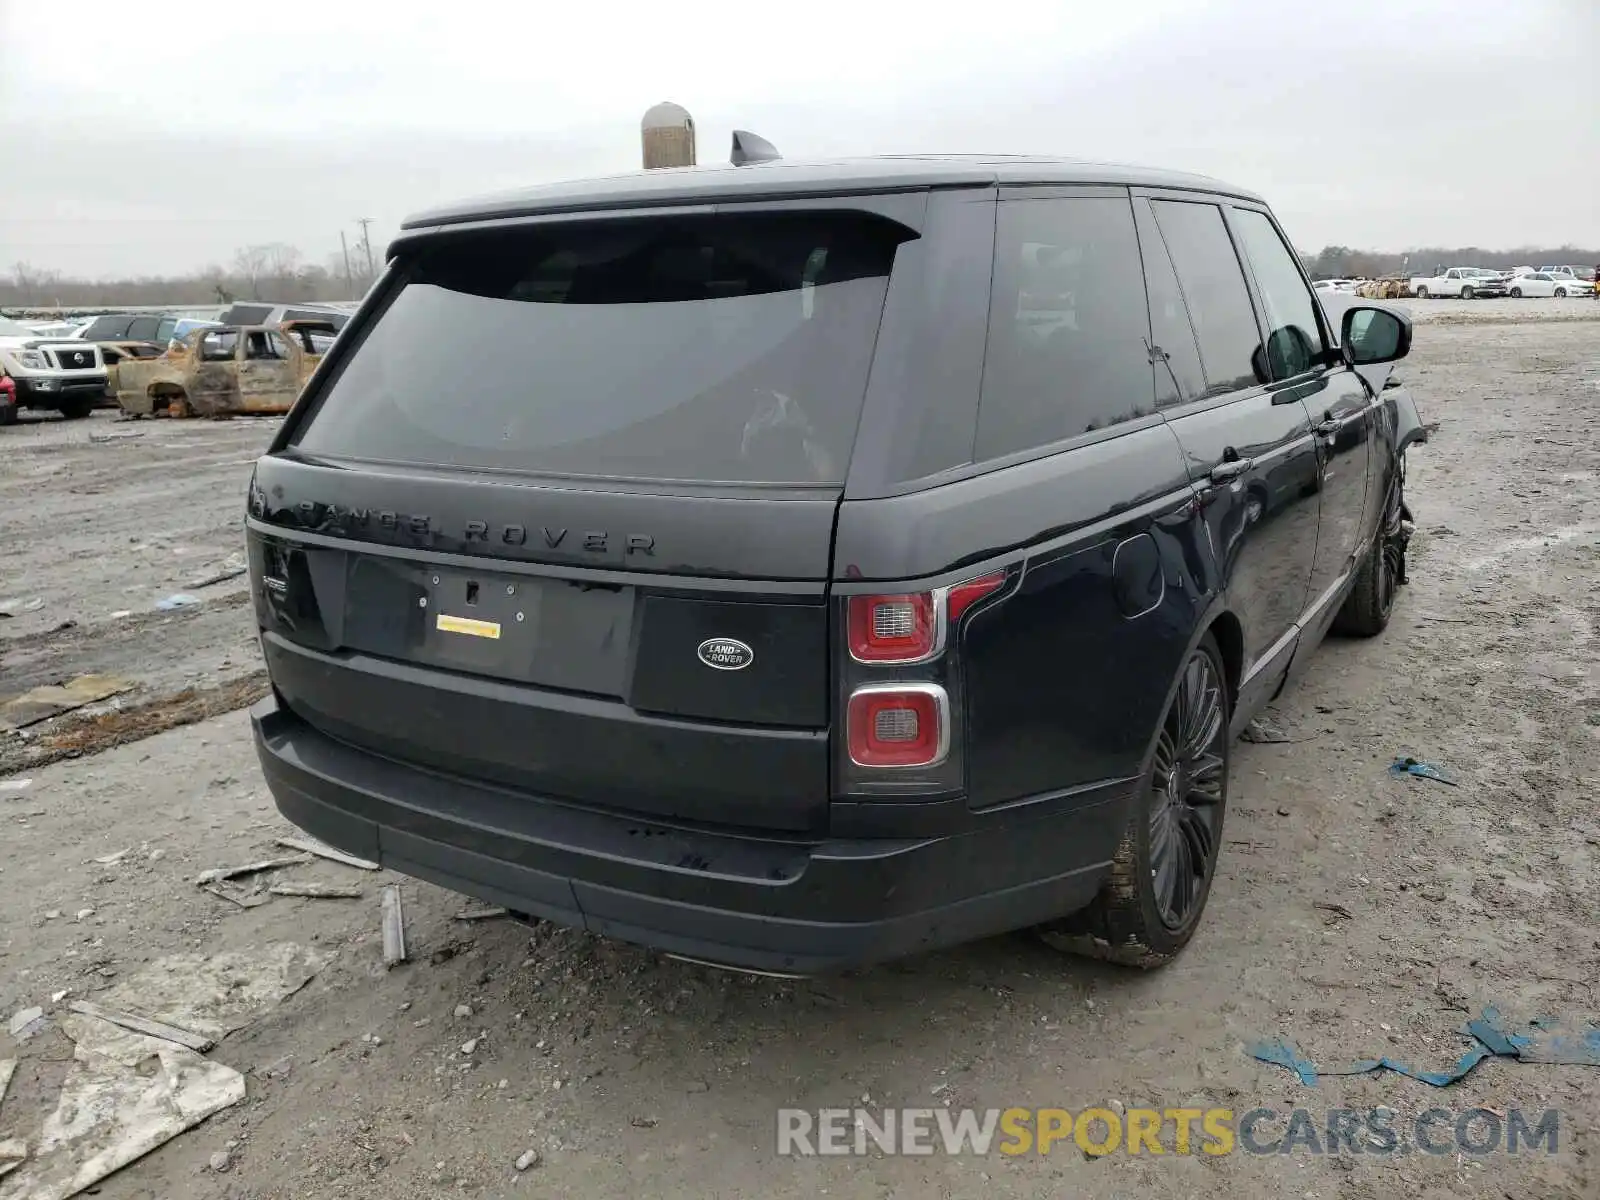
{"x": 1150, "y": 906}
{"x": 1516, "y": 293}
{"x": 1561, "y": 293}
{"x": 75, "y": 409}
{"x": 1368, "y": 607}
{"x": 1466, "y": 293}
{"x": 8, "y": 414}
{"x": 1422, "y": 293}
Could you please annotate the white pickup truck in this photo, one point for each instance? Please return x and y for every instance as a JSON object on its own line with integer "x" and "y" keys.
{"x": 63, "y": 374}
{"x": 1466, "y": 282}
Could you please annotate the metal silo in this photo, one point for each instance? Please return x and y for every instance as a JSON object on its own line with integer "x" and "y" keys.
{"x": 668, "y": 135}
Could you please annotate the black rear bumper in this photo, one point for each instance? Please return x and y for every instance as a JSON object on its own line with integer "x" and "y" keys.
{"x": 763, "y": 903}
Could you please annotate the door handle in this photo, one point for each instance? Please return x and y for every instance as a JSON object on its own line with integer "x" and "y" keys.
{"x": 1232, "y": 469}
{"x": 1329, "y": 428}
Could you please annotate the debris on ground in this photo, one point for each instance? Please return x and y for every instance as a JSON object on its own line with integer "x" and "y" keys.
{"x": 177, "y": 600}
{"x": 1542, "y": 1040}
{"x": 218, "y": 993}
{"x": 171, "y": 1033}
{"x": 54, "y": 699}
{"x": 218, "y": 874}
{"x": 232, "y": 567}
{"x": 25, "y": 1023}
{"x": 1337, "y": 910}
{"x": 125, "y": 1094}
{"x": 394, "y": 927}
{"x": 15, "y": 785}
{"x": 111, "y": 860}
{"x": 527, "y": 1159}
{"x": 8, "y": 1068}
{"x": 89, "y": 735}
{"x": 1260, "y": 730}
{"x": 1423, "y": 770}
{"x": 221, "y": 1161}
{"x": 317, "y": 891}
{"x": 10, "y": 608}
{"x": 480, "y": 914}
{"x": 327, "y": 852}
{"x": 13, "y": 1153}
{"x": 234, "y": 894}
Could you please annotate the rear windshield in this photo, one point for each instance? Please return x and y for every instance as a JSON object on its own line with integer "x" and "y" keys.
{"x": 707, "y": 349}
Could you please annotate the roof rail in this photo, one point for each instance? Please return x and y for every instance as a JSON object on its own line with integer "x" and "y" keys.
{"x": 751, "y": 148}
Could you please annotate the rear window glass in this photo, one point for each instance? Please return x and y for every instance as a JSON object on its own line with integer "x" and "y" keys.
{"x": 710, "y": 349}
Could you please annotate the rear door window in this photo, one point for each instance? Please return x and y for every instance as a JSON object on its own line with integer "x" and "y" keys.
{"x": 1294, "y": 337}
{"x": 731, "y": 348}
{"x": 1179, "y": 375}
{"x": 1067, "y": 351}
{"x": 1215, "y": 291}
{"x": 144, "y": 328}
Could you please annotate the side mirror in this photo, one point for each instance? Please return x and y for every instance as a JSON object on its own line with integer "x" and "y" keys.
{"x": 1374, "y": 335}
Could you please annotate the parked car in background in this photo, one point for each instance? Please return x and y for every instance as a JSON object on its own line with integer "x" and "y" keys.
{"x": 1346, "y": 286}
{"x": 1578, "y": 274}
{"x": 8, "y": 400}
{"x": 54, "y": 329}
{"x": 1465, "y": 282}
{"x": 129, "y": 327}
{"x": 226, "y": 370}
{"x": 184, "y": 326}
{"x": 48, "y": 373}
{"x": 1542, "y": 284}
{"x": 800, "y": 616}
{"x": 256, "y": 313}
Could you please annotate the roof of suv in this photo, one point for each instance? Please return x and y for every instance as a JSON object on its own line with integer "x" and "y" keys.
{"x": 782, "y": 178}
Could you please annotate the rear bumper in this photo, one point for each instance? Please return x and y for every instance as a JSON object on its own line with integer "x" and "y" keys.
{"x": 763, "y": 903}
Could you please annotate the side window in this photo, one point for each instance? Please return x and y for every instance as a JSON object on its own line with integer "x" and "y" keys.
{"x": 1214, "y": 289}
{"x": 1294, "y": 338}
{"x": 218, "y": 345}
{"x": 164, "y": 329}
{"x": 1067, "y": 349}
{"x": 265, "y": 344}
{"x": 143, "y": 329}
{"x": 1179, "y": 375}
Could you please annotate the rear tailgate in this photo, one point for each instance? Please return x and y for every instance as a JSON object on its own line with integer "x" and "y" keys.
{"x": 579, "y": 544}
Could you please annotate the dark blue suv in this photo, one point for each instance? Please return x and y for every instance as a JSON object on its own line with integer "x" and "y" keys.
{"x": 792, "y": 566}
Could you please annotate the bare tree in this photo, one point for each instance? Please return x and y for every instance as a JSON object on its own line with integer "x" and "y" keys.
{"x": 249, "y": 262}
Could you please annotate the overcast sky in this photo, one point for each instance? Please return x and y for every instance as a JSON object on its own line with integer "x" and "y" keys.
{"x": 157, "y": 141}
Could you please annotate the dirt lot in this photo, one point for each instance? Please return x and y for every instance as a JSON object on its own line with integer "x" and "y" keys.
{"x": 631, "y": 1074}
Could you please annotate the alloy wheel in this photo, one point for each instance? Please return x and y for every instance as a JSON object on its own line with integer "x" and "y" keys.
{"x": 1187, "y": 791}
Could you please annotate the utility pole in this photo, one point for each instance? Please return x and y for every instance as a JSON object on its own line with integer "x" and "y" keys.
{"x": 366, "y": 244}
{"x": 349, "y": 281}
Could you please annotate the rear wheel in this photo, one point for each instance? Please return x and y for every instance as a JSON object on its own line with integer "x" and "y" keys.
{"x": 76, "y": 408}
{"x": 1367, "y": 609}
{"x": 1422, "y": 293}
{"x": 1150, "y": 906}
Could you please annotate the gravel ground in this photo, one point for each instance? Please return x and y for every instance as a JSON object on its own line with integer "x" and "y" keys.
{"x": 632, "y": 1074}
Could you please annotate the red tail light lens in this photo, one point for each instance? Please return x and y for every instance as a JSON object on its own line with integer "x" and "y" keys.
{"x": 899, "y": 725}
{"x": 964, "y": 595}
{"x": 893, "y": 628}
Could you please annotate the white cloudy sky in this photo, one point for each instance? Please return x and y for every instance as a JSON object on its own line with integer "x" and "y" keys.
{"x": 159, "y": 141}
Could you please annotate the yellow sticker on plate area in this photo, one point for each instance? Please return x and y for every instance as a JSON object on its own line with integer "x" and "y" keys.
{"x": 483, "y": 629}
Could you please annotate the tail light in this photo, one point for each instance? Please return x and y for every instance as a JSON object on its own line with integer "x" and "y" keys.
{"x": 901, "y": 691}
{"x": 899, "y": 725}
{"x": 911, "y": 628}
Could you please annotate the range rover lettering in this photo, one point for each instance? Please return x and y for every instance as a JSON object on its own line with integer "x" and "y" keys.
{"x": 795, "y": 566}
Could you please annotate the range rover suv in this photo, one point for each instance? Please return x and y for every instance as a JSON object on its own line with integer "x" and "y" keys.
{"x": 794, "y": 566}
